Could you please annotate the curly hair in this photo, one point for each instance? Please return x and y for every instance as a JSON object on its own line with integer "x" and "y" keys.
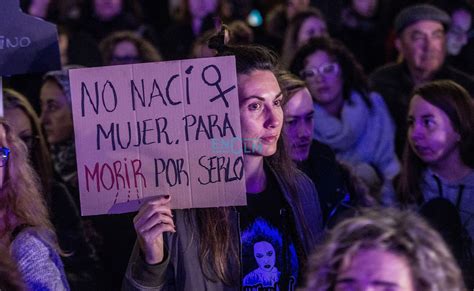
{"x": 20, "y": 194}
{"x": 402, "y": 233}
{"x": 352, "y": 72}
{"x": 457, "y": 104}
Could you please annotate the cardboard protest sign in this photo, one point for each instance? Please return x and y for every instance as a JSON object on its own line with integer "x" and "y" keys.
{"x": 27, "y": 44}
{"x": 168, "y": 128}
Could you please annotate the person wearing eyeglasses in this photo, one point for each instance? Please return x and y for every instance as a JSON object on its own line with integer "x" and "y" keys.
{"x": 80, "y": 265}
{"x": 349, "y": 118}
{"x": 25, "y": 227}
{"x": 126, "y": 47}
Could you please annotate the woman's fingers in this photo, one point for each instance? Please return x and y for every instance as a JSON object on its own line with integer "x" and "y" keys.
{"x": 158, "y": 204}
{"x": 152, "y": 220}
{"x": 157, "y": 218}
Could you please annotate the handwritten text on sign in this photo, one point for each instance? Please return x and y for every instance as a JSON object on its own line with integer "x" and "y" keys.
{"x": 147, "y": 129}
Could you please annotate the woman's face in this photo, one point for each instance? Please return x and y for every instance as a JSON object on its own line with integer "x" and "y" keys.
{"x": 264, "y": 255}
{"x": 56, "y": 114}
{"x": 107, "y": 9}
{"x": 261, "y": 115}
{"x": 4, "y": 162}
{"x": 375, "y": 269}
{"x": 365, "y": 8}
{"x": 457, "y": 35}
{"x": 311, "y": 27}
{"x": 20, "y": 125}
{"x": 298, "y": 128}
{"x": 325, "y": 80}
{"x": 125, "y": 52}
{"x": 431, "y": 134}
{"x": 201, "y": 8}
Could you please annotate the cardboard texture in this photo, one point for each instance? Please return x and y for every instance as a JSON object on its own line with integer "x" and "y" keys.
{"x": 27, "y": 44}
{"x": 150, "y": 129}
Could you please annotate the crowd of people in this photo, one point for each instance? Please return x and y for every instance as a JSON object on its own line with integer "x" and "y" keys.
{"x": 364, "y": 114}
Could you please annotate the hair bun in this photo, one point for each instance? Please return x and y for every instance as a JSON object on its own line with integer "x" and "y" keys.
{"x": 218, "y": 41}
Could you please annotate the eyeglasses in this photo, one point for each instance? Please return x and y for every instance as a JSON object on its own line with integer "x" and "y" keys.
{"x": 323, "y": 70}
{"x": 121, "y": 60}
{"x": 4, "y": 154}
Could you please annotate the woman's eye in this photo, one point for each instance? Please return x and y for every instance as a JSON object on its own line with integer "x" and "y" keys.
{"x": 429, "y": 123}
{"x": 254, "y": 106}
{"x": 277, "y": 102}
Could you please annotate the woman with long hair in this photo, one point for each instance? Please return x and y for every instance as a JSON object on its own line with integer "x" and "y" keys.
{"x": 302, "y": 27}
{"x": 384, "y": 249}
{"x": 201, "y": 249}
{"x": 64, "y": 213}
{"x": 438, "y": 161}
{"x": 349, "y": 118}
{"x": 25, "y": 226}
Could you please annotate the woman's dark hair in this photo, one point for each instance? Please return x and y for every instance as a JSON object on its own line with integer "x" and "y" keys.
{"x": 291, "y": 35}
{"x": 146, "y": 51}
{"x": 219, "y": 247}
{"x": 456, "y": 103}
{"x": 352, "y": 72}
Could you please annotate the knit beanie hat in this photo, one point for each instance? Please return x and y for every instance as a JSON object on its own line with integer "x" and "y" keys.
{"x": 416, "y": 13}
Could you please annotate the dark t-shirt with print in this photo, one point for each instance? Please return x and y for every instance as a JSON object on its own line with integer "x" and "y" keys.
{"x": 269, "y": 256}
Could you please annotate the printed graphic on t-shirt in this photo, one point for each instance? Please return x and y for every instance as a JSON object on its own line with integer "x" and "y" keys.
{"x": 264, "y": 258}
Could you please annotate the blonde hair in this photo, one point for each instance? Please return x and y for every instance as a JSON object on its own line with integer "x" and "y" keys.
{"x": 20, "y": 195}
{"x": 39, "y": 153}
{"x": 403, "y": 233}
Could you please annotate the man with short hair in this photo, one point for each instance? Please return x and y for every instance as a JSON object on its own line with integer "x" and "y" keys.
{"x": 421, "y": 41}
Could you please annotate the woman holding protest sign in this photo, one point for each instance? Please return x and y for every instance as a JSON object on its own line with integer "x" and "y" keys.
{"x": 264, "y": 244}
{"x": 25, "y": 227}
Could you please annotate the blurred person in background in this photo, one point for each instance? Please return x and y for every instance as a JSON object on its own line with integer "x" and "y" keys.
{"x": 348, "y": 117}
{"x": 460, "y": 38}
{"x": 421, "y": 40}
{"x": 107, "y": 230}
{"x": 25, "y": 228}
{"x": 63, "y": 211}
{"x": 383, "y": 249}
{"x": 99, "y": 18}
{"x": 125, "y": 47}
{"x": 364, "y": 30}
{"x": 314, "y": 158}
{"x": 302, "y": 27}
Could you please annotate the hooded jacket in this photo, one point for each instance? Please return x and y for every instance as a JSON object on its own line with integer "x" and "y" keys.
{"x": 460, "y": 193}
